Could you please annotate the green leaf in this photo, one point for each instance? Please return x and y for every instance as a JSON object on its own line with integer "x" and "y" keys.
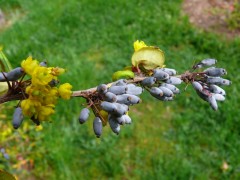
{"x": 6, "y": 176}
{"x": 3, "y": 88}
{"x": 125, "y": 74}
{"x": 4, "y": 63}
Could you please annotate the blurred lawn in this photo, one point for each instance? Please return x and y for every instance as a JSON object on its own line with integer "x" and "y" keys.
{"x": 183, "y": 139}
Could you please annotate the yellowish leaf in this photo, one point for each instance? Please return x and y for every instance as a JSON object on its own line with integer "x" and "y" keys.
{"x": 125, "y": 74}
{"x": 148, "y": 57}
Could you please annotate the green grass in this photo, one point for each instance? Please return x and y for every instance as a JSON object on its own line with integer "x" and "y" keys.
{"x": 183, "y": 139}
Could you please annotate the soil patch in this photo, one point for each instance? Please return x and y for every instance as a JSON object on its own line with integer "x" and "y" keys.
{"x": 211, "y": 15}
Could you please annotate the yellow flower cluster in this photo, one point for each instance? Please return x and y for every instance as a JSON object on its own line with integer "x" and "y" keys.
{"x": 42, "y": 97}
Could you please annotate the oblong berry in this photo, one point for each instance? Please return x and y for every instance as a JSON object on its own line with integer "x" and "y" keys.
{"x": 149, "y": 81}
{"x": 97, "y": 127}
{"x": 84, "y": 114}
{"x": 17, "y": 118}
{"x": 102, "y": 88}
{"x": 212, "y": 71}
{"x": 174, "y": 80}
{"x": 15, "y": 74}
{"x": 118, "y": 89}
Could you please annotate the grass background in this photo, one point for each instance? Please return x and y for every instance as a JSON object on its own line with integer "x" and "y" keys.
{"x": 183, "y": 139}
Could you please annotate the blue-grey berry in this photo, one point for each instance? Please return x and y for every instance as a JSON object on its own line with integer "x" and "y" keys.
{"x": 97, "y": 127}
{"x": 84, "y": 114}
{"x": 149, "y": 81}
{"x": 110, "y": 97}
{"x": 102, "y": 88}
{"x": 15, "y": 74}
{"x": 197, "y": 86}
{"x": 114, "y": 124}
{"x": 212, "y": 71}
{"x": 17, "y": 118}
{"x": 174, "y": 80}
{"x": 118, "y": 89}
{"x": 159, "y": 74}
{"x": 171, "y": 72}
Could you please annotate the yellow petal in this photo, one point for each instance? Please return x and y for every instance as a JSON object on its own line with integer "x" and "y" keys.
{"x": 148, "y": 57}
{"x": 65, "y": 91}
{"x": 138, "y": 45}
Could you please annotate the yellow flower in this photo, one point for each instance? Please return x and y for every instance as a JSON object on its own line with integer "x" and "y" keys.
{"x": 29, "y": 106}
{"x": 56, "y": 71}
{"x": 45, "y": 111}
{"x": 29, "y": 65}
{"x": 51, "y": 96}
{"x": 138, "y": 45}
{"x": 65, "y": 91}
{"x": 42, "y": 97}
{"x": 41, "y": 76}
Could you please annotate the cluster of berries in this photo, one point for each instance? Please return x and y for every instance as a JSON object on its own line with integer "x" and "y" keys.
{"x": 161, "y": 84}
{"x": 207, "y": 83}
{"x": 110, "y": 103}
